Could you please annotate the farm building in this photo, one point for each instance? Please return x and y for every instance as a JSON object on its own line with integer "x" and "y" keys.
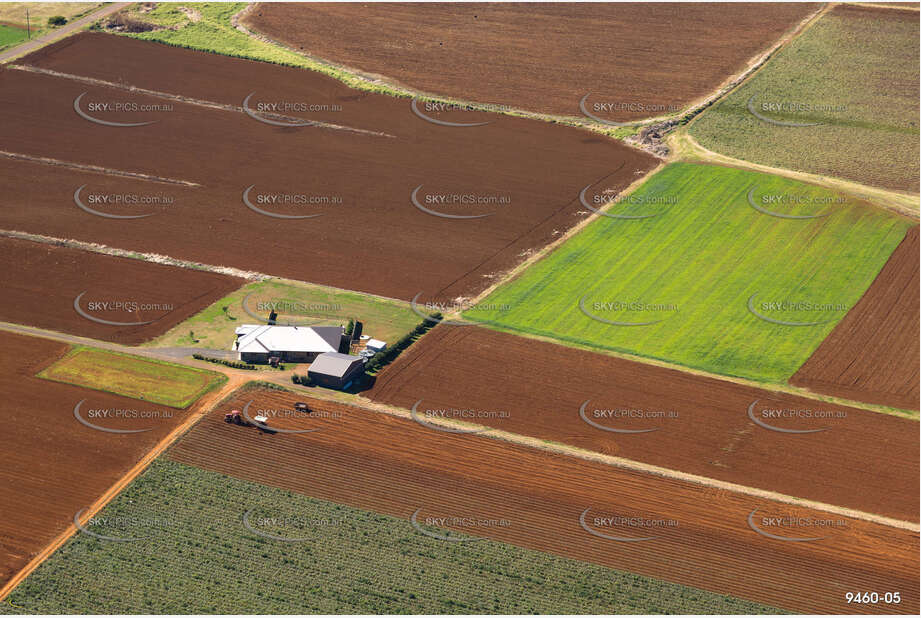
{"x": 257, "y": 343}
{"x": 334, "y": 370}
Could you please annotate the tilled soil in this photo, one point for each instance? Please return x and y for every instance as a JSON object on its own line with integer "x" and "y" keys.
{"x": 861, "y": 460}
{"x": 532, "y": 498}
{"x": 645, "y": 60}
{"x": 52, "y": 466}
{"x": 872, "y": 355}
{"x": 525, "y": 175}
{"x": 43, "y": 282}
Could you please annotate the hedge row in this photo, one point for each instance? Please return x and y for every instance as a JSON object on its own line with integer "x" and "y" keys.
{"x": 302, "y": 380}
{"x": 385, "y": 357}
{"x": 227, "y": 363}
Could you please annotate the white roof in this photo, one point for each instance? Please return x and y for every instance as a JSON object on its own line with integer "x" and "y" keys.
{"x": 255, "y": 338}
{"x": 376, "y": 344}
{"x": 333, "y": 364}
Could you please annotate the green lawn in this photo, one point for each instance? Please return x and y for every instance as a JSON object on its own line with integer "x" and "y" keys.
{"x": 10, "y": 36}
{"x": 133, "y": 376}
{"x": 298, "y": 303}
{"x": 199, "y": 559}
{"x": 693, "y": 268}
{"x": 856, "y": 73}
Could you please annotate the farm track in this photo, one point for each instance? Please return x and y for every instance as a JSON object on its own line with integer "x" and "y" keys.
{"x": 59, "y": 466}
{"x": 161, "y": 295}
{"x": 473, "y": 52}
{"x": 701, "y": 425}
{"x": 872, "y": 355}
{"x": 394, "y": 466}
{"x": 537, "y": 169}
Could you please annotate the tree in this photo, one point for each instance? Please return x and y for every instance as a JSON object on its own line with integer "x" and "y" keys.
{"x": 57, "y": 20}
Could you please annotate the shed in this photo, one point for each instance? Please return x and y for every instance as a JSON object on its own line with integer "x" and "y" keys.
{"x": 335, "y": 370}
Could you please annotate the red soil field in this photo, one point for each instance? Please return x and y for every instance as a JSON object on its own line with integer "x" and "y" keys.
{"x": 51, "y": 465}
{"x": 375, "y": 240}
{"x": 872, "y": 354}
{"x": 541, "y": 57}
{"x": 864, "y": 460}
{"x": 40, "y": 290}
{"x": 394, "y": 466}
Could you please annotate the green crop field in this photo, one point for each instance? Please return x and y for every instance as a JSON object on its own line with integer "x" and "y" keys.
{"x": 856, "y": 73}
{"x": 693, "y": 269}
{"x": 295, "y": 303}
{"x": 132, "y": 376}
{"x": 10, "y": 36}
{"x": 198, "y": 557}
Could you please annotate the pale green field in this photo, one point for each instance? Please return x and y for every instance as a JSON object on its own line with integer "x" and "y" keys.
{"x": 199, "y": 559}
{"x": 39, "y": 12}
{"x": 856, "y": 73}
{"x": 693, "y": 269}
{"x": 297, "y": 303}
{"x": 133, "y": 376}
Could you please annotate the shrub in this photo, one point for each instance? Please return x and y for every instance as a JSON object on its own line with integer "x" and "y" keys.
{"x": 57, "y": 20}
{"x": 385, "y": 357}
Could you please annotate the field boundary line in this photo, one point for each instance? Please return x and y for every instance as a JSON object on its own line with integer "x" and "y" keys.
{"x": 369, "y": 81}
{"x": 775, "y": 387}
{"x": 92, "y": 81}
{"x": 905, "y": 204}
{"x": 502, "y": 278}
{"x": 157, "y": 258}
{"x": 97, "y": 169}
{"x": 202, "y": 407}
{"x": 635, "y": 466}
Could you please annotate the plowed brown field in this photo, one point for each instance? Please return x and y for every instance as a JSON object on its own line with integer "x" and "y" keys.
{"x": 525, "y": 174}
{"x": 534, "y": 499}
{"x": 51, "y": 465}
{"x": 42, "y": 282}
{"x": 862, "y": 460}
{"x": 542, "y": 57}
{"x": 872, "y": 355}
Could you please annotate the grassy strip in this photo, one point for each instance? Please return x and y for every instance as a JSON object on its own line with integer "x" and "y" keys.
{"x": 690, "y": 271}
{"x": 200, "y": 559}
{"x": 10, "y": 36}
{"x": 132, "y": 376}
{"x": 295, "y": 302}
{"x": 215, "y": 34}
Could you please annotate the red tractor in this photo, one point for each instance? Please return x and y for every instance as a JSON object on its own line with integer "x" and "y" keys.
{"x": 235, "y": 417}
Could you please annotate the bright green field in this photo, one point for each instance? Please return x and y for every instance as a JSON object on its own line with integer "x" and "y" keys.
{"x": 695, "y": 266}
{"x": 864, "y": 61}
{"x": 200, "y": 559}
{"x": 133, "y": 376}
{"x": 298, "y": 303}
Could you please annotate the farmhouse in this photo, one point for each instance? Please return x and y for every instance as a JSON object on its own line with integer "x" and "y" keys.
{"x": 334, "y": 370}
{"x": 257, "y": 343}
